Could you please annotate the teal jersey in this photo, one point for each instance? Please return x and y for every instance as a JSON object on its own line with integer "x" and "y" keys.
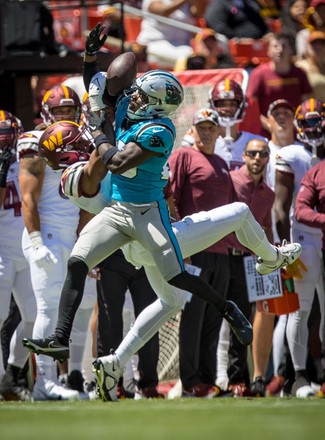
{"x": 144, "y": 183}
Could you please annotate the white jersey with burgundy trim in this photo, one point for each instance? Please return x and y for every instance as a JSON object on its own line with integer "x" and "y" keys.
{"x": 296, "y": 160}
{"x": 11, "y": 219}
{"x": 232, "y": 151}
{"x": 54, "y": 208}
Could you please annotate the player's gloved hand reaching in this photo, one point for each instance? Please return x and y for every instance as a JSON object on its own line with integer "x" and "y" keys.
{"x": 94, "y": 41}
{"x": 5, "y": 161}
{"x": 42, "y": 256}
{"x": 295, "y": 269}
{"x": 100, "y": 121}
{"x": 96, "y": 120}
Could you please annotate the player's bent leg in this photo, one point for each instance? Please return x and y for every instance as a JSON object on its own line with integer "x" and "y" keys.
{"x": 227, "y": 309}
{"x": 198, "y": 231}
{"x": 108, "y": 369}
{"x": 57, "y": 345}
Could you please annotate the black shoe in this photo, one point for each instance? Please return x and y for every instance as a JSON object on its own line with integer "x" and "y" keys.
{"x": 48, "y": 346}
{"x": 76, "y": 381}
{"x": 287, "y": 389}
{"x": 258, "y": 387}
{"x": 9, "y": 390}
{"x": 238, "y": 323}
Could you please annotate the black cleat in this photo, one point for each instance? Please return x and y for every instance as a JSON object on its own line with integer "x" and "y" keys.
{"x": 238, "y": 323}
{"x": 49, "y": 347}
{"x": 75, "y": 381}
{"x": 10, "y": 390}
{"x": 258, "y": 387}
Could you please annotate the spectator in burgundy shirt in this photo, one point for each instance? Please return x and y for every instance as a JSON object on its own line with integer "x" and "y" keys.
{"x": 252, "y": 189}
{"x": 279, "y": 78}
{"x": 310, "y": 202}
{"x": 200, "y": 181}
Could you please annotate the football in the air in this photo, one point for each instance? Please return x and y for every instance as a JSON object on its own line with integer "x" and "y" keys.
{"x": 121, "y": 73}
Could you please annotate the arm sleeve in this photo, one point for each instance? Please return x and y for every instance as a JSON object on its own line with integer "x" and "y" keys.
{"x": 306, "y": 202}
{"x": 88, "y": 71}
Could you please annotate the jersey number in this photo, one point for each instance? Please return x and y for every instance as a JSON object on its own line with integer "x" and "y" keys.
{"x": 11, "y": 200}
{"x": 130, "y": 174}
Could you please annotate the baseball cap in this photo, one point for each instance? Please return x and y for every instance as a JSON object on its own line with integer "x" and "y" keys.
{"x": 315, "y": 3}
{"x": 316, "y": 35}
{"x": 205, "y": 114}
{"x": 279, "y": 103}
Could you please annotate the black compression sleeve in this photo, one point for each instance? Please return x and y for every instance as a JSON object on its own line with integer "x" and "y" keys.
{"x": 88, "y": 71}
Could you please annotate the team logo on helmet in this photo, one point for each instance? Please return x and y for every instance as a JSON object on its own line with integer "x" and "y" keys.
{"x": 53, "y": 142}
{"x": 64, "y": 143}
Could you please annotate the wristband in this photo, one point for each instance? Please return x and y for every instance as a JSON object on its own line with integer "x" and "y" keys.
{"x": 107, "y": 156}
{"x": 100, "y": 139}
{"x": 36, "y": 239}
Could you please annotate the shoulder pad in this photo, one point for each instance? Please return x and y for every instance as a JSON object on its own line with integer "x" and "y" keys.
{"x": 70, "y": 180}
{"x": 28, "y": 142}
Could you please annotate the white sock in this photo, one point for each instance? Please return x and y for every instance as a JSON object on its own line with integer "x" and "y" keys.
{"x": 297, "y": 336}
{"x": 278, "y": 343}
{"x": 146, "y": 325}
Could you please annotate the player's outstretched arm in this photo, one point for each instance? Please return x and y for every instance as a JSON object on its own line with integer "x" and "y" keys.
{"x": 93, "y": 173}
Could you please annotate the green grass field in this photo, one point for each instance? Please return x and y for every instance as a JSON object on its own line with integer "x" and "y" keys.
{"x": 183, "y": 419}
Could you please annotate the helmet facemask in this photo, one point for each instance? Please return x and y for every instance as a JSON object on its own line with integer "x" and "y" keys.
{"x": 228, "y": 90}
{"x": 309, "y": 118}
{"x": 57, "y": 97}
{"x": 9, "y": 132}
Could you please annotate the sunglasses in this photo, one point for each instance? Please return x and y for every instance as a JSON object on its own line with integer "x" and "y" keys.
{"x": 254, "y": 153}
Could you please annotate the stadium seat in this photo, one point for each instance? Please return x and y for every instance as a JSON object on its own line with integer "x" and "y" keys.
{"x": 132, "y": 27}
{"x": 248, "y": 52}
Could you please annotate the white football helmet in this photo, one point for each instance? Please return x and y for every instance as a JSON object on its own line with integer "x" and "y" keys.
{"x": 160, "y": 93}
